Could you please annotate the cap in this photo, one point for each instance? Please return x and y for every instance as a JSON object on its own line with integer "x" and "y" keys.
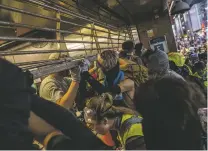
{"x": 128, "y": 46}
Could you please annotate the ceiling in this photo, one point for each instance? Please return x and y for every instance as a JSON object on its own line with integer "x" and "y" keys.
{"x": 132, "y": 11}
{"x": 118, "y": 13}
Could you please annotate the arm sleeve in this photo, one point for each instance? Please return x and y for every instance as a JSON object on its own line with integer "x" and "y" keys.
{"x": 52, "y": 92}
{"x": 66, "y": 122}
{"x": 60, "y": 142}
{"x": 82, "y": 95}
{"x": 97, "y": 86}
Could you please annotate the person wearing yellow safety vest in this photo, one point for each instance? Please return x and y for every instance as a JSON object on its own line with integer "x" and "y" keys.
{"x": 201, "y": 72}
{"x": 102, "y": 116}
{"x": 115, "y": 82}
{"x": 177, "y": 64}
{"x": 181, "y": 66}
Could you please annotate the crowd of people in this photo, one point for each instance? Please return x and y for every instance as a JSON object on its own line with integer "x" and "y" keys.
{"x": 135, "y": 99}
{"x": 196, "y": 43}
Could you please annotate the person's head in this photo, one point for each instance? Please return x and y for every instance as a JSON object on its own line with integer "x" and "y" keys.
{"x": 58, "y": 56}
{"x": 123, "y": 54}
{"x": 100, "y": 114}
{"x": 107, "y": 60}
{"x": 199, "y": 67}
{"x": 169, "y": 108}
{"x": 138, "y": 49}
{"x": 156, "y": 61}
{"x": 128, "y": 46}
{"x": 145, "y": 56}
{"x": 203, "y": 57}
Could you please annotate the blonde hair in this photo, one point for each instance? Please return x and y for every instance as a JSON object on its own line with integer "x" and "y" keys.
{"x": 103, "y": 107}
{"x": 109, "y": 59}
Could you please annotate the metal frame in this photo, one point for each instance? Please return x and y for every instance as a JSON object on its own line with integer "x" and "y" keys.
{"x": 49, "y": 18}
{"x": 44, "y": 40}
{"x": 45, "y": 67}
{"x": 54, "y": 68}
{"x": 69, "y": 12}
{"x": 83, "y": 9}
{"x": 6, "y": 53}
{"x": 10, "y": 24}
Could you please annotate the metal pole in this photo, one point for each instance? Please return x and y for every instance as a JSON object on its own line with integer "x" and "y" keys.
{"x": 71, "y": 13}
{"x": 46, "y": 29}
{"x": 43, "y": 40}
{"x": 45, "y": 51}
{"x": 95, "y": 38}
{"x": 38, "y": 62}
{"x": 84, "y": 9}
{"x": 47, "y": 17}
{"x": 28, "y": 67}
{"x": 66, "y": 9}
{"x": 83, "y": 43}
{"x": 43, "y": 71}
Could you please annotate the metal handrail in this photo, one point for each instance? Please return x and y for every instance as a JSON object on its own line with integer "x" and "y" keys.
{"x": 48, "y": 29}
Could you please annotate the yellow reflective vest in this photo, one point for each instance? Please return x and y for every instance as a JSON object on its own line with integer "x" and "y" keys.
{"x": 201, "y": 77}
{"x": 133, "y": 130}
{"x": 189, "y": 69}
{"x": 177, "y": 58}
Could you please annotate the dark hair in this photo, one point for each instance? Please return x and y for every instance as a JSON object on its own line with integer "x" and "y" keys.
{"x": 138, "y": 49}
{"x": 123, "y": 54}
{"x": 145, "y": 56}
{"x": 148, "y": 53}
{"x": 169, "y": 107}
{"x": 199, "y": 66}
{"x": 138, "y": 46}
{"x": 128, "y": 45}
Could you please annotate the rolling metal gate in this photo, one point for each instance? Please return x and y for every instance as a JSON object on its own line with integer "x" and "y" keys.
{"x": 67, "y": 25}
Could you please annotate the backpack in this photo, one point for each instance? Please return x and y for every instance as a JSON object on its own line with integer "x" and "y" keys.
{"x": 135, "y": 72}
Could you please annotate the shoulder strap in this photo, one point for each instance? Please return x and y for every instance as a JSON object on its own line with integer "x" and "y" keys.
{"x": 127, "y": 124}
{"x": 119, "y": 78}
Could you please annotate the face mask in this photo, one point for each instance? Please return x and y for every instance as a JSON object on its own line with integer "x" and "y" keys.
{"x": 112, "y": 74}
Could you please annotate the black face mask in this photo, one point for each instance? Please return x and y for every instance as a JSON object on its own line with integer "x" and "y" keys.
{"x": 112, "y": 74}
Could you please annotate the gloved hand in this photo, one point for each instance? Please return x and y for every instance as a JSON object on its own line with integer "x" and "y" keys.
{"x": 85, "y": 65}
{"x": 85, "y": 75}
{"x": 75, "y": 74}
